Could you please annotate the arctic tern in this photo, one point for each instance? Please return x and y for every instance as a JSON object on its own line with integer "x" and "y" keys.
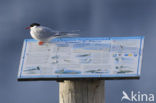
{"x": 45, "y": 34}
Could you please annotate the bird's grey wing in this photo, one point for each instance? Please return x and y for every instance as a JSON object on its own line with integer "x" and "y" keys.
{"x": 45, "y": 33}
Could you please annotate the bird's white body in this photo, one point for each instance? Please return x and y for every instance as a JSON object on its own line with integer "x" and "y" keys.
{"x": 42, "y": 33}
{"x": 45, "y": 34}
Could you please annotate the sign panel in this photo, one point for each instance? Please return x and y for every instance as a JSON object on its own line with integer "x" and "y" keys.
{"x": 71, "y": 58}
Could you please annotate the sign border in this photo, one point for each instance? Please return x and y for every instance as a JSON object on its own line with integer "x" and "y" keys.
{"x": 78, "y": 76}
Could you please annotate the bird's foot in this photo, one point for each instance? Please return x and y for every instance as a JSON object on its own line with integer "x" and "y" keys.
{"x": 40, "y": 43}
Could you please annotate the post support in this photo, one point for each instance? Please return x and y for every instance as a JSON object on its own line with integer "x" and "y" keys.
{"x": 81, "y": 91}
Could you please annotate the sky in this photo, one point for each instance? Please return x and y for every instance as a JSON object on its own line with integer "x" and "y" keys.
{"x": 94, "y": 18}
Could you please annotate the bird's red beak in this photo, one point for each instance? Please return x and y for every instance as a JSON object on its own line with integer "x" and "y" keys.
{"x": 27, "y": 28}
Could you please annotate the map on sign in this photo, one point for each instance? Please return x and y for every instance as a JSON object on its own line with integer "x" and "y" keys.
{"x": 113, "y": 57}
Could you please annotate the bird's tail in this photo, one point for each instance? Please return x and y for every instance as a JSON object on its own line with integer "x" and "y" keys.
{"x": 71, "y": 35}
{"x": 68, "y": 34}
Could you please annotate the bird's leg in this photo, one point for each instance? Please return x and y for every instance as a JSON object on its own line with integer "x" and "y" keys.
{"x": 40, "y": 43}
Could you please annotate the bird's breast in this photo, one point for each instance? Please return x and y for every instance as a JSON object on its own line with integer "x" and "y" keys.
{"x": 34, "y": 35}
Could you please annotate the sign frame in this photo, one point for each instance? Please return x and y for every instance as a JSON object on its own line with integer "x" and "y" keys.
{"x": 77, "y": 76}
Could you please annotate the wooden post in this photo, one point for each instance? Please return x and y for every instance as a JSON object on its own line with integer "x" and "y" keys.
{"x": 81, "y": 91}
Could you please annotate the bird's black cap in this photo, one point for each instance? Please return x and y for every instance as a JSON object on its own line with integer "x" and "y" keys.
{"x": 34, "y": 24}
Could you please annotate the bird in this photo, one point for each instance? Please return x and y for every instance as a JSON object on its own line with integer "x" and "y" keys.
{"x": 45, "y": 34}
